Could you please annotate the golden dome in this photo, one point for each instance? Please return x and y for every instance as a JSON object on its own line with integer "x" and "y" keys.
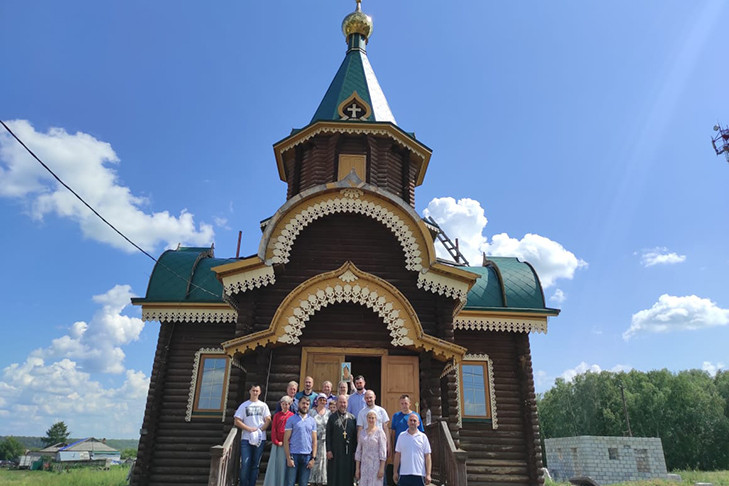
{"x": 357, "y": 23}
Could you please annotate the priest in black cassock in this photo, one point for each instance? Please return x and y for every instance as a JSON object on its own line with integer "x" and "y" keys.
{"x": 341, "y": 443}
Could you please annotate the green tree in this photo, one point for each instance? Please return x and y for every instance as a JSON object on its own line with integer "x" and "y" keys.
{"x": 11, "y": 449}
{"x": 722, "y": 386}
{"x": 57, "y": 433}
{"x": 687, "y": 411}
{"x": 128, "y": 453}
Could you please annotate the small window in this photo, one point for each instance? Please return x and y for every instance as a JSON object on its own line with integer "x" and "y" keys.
{"x": 613, "y": 453}
{"x": 475, "y": 399}
{"x": 209, "y": 385}
{"x": 212, "y": 380}
{"x": 352, "y": 162}
{"x": 641, "y": 460}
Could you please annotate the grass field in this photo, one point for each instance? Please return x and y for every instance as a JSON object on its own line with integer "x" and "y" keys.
{"x": 116, "y": 476}
{"x": 716, "y": 478}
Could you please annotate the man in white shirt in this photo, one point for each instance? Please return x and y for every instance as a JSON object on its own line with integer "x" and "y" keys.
{"x": 252, "y": 417}
{"x": 412, "y": 464}
{"x": 383, "y": 420}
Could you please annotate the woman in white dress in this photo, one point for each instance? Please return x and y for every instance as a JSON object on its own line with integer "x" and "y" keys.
{"x": 321, "y": 416}
{"x": 371, "y": 453}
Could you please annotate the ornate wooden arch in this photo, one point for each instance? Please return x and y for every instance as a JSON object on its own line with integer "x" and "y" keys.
{"x": 346, "y": 284}
{"x": 350, "y": 195}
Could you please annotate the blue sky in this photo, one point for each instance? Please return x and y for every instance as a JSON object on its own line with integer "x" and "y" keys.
{"x": 573, "y": 134}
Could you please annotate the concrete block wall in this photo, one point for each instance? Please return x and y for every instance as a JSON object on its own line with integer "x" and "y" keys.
{"x": 605, "y": 459}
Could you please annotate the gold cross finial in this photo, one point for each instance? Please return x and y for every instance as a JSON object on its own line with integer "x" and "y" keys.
{"x": 359, "y": 5}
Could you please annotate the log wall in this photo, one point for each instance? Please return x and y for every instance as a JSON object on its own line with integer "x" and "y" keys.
{"x": 326, "y": 244}
{"x": 172, "y": 451}
{"x": 315, "y": 162}
{"x": 509, "y": 454}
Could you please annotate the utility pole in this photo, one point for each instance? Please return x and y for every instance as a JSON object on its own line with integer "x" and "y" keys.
{"x": 625, "y": 408}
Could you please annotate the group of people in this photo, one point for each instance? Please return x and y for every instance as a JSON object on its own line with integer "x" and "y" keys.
{"x": 326, "y": 439}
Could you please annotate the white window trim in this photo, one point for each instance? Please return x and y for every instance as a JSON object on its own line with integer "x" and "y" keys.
{"x": 193, "y": 381}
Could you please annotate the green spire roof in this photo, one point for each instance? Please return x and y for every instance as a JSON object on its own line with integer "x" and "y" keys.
{"x": 355, "y": 75}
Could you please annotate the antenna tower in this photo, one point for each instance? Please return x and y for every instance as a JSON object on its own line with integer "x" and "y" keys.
{"x": 721, "y": 141}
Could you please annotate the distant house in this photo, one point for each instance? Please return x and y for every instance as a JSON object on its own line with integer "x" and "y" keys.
{"x": 89, "y": 449}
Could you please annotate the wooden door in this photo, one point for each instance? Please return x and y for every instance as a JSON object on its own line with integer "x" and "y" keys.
{"x": 400, "y": 374}
{"x": 322, "y": 367}
{"x": 325, "y": 363}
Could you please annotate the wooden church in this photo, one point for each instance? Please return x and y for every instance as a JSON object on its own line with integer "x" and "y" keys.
{"x": 346, "y": 271}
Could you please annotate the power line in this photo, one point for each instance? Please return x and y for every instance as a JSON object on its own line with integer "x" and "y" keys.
{"x": 187, "y": 280}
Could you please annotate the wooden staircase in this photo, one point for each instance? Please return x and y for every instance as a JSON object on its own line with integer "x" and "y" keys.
{"x": 494, "y": 462}
{"x": 449, "y": 462}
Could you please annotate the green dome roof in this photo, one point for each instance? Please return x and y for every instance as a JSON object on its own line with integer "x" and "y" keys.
{"x": 506, "y": 284}
{"x": 185, "y": 275}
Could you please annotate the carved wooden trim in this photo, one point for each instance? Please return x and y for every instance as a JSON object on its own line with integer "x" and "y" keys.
{"x": 188, "y": 314}
{"x": 501, "y": 323}
{"x": 330, "y": 288}
{"x": 347, "y": 201}
{"x": 253, "y": 279}
{"x": 349, "y": 129}
{"x": 441, "y": 285}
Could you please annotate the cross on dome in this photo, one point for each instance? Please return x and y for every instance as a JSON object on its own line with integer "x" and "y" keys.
{"x": 353, "y": 109}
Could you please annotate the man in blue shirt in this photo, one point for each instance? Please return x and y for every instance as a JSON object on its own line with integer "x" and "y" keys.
{"x": 357, "y": 399}
{"x": 399, "y": 421}
{"x": 300, "y": 445}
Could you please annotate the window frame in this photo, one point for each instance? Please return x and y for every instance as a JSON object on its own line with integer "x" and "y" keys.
{"x": 348, "y": 162}
{"x": 193, "y": 403}
{"x": 486, "y": 364}
{"x": 486, "y": 398}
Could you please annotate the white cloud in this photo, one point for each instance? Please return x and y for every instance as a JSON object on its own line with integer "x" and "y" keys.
{"x": 96, "y": 346}
{"x": 464, "y": 219}
{"x": 221, "y": 222}
{"x": 660, "y": 256}
{"x": 86, "y": 165}
{"x": 712, "y": 368}
{"x": 673, "y": 313}
{"x": 580, "y": 369}
{"x": 37, "y": 394}
{"x": 583, "y": 367}
{"x": 80, "y": 378}
{"x": 558, "y": 297}
{"x": 542, "y": 380}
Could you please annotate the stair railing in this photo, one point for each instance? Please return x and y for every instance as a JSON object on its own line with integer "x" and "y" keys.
{"x": 225, "y": 461}
{"x": 449, "y": 462}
